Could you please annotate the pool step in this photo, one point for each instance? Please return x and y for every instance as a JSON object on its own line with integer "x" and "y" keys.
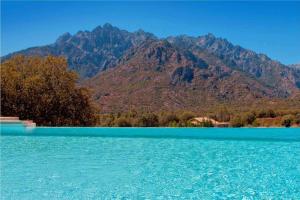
{"x": 16, "y": 120}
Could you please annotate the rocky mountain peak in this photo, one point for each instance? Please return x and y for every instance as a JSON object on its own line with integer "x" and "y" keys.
{"x": 108, "y": 26}
{"x": 92, "y": 52}
{"x": 63, "y": 38}
{"x": 210, "y": 36}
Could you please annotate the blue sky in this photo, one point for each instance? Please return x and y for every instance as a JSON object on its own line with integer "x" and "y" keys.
{"x": 267, "y": 27}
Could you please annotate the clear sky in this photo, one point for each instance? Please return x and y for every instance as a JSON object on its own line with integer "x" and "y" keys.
{"x": 268, "y": 27}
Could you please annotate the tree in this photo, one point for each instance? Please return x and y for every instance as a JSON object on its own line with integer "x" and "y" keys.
{"x": 44, "y": 90}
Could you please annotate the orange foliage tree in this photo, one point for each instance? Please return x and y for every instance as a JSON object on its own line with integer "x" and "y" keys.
{"x": 44, "y": 90}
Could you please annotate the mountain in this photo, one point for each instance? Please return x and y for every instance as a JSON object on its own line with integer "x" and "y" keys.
{"x": 90, "y": 52}
{"x": 159, "y": 75}
{"x": 138, "y": 70}
{"x": 295, "y": 66}
{"x": 259, "y": 66}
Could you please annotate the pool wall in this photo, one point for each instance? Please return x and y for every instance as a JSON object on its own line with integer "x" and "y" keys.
{"x": 291, "y": 134}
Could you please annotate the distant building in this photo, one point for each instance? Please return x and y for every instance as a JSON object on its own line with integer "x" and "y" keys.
{"x": 199, "y": 120}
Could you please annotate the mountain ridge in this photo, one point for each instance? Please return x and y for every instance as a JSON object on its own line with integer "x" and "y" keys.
{"x": 90, "y": 52}
{"x": 137, "y": 69}
{"x": 295, "y": 66}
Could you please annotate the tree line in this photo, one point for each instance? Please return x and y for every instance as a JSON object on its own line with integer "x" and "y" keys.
{"x": 184, "y": 119}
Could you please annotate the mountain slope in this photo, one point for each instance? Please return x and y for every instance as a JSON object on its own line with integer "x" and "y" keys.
{"x": 89, "y": 52}
{"x": 157, "y": 75}
{"x": 295, "y": 66}
{"x": 259, "y": 66}
{"x": 138, "y": 70}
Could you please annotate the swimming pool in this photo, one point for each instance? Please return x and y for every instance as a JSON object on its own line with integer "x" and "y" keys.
{"x": 153, "y": 163}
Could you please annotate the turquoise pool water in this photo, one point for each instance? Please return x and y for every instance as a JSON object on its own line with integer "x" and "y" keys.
{"x": 67, "y": 163}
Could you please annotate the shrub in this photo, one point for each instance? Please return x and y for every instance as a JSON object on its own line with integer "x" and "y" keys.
{"x": 249, "y": 118}
{"x": 106, "y": 120}
{"x": 169, "y": 120}
{"x": 223, "y": 115}
{"x": 266, "y": 113}
{"x": 287, "y": 120}
{"x": 255, "y": 123}
{"x": 237, "y": 122}
{"x": 185, "y": 119}
{"x": 122, "y": 122}
{"x": 297, "y": 119}
{"x": 186, "y": 116}
{"x": 174, "y": 124}
{"x": 148, "y": 120}
{"x": 206, "y": 123}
